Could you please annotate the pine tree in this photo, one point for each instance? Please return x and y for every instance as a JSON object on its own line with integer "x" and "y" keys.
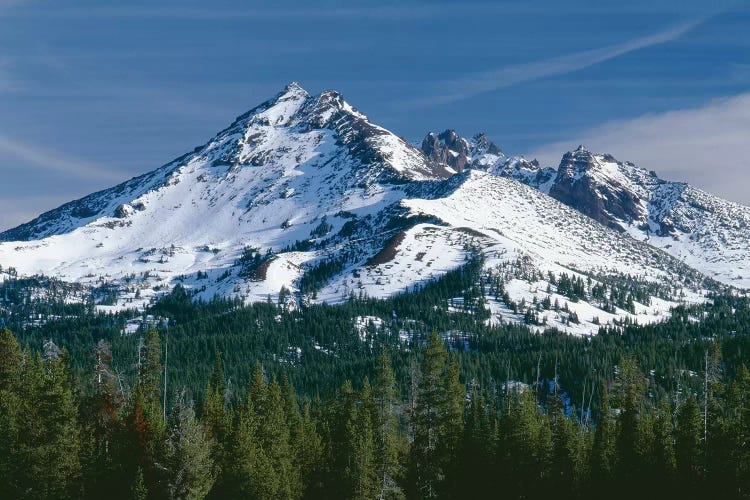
{"x": 427, "y": 422}
{"x": 734, "y": 473}
{"x": 362, "y": 471}
{"x": 566, "y": 452}
{"x": 101, "y": 425}
{"x": 388, "y": 442}
{"x": 10, "y": 412}
{"x": 688, "y": 445}
{"x": 452, "y": 428}
{"x": 48, "y": 432}
{"x": 603, "y": 453}
{"x": 190, "y": 471}
{"x": 663, "y": 456}
{"x": 145, "y": 426}
{"x": 10, "y": 360}
{"x": 526, "y": 446}
{"x": 309, "y": 451}
{"x": 250, "y": 473}
{"x": 298, "y": 439}
{"x": 478, "y": 443}
{"x": 342, "y": 421}
{"x": 138, "y": 490}
{"x": 630, "y": 385}
{"x": 150, "y": 374}
{"x": 275, "y": 439}
{"x": 216, "y": 421}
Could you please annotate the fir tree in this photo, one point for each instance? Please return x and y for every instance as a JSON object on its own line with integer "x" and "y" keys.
{"x": 138, "y": 490}
{"x": 388, "y": 442}
{"x": 630, "y": 385}
{"x": 663, "y": 454}
{"x": 190, "y": 471}
{"x": 452, "y": 428}
{"x": 49, "y": 439}
{"x": 101, "y": 425}
{"x": 603, "y": 454}
{"x": 428, "y": 418}
{"x": 362, "y": 471}
{"x": 250, "y": 472}
{"x": 216, "y": 421}
{"x": 10, "y": 410}
{"x": 688, "y": 445}
{"x": 146, "y": 428}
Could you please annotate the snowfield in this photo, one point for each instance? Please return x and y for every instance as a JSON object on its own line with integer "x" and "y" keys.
{"x": 306, "y": 186}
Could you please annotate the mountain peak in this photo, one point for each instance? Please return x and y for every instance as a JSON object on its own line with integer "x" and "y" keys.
{"x": 447, "y": 148}
{"x": 294, "y": 88}
{"x": 480, "y": 144}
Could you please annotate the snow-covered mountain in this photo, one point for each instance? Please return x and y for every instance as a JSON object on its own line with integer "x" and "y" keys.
{"x": 708, "y": 233}
{"x": 479, "y": 153}
{"x": 304, "y": 193}
{"x": 703, "y": 230}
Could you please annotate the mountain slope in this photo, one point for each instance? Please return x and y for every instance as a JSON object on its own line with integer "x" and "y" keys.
{"x": 526, "y": 238}
{"x": 266, "y": 182}
{"x": 303, "y": 199}
{"x": 703, "y": 230}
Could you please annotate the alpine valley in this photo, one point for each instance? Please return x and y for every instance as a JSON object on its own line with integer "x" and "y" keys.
{"x": 304, "y": 200}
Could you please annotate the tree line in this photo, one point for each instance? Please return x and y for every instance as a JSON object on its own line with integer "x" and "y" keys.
{"x": 437, "y": 435}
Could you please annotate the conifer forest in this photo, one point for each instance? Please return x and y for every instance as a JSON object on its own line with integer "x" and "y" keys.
{"x": 214, "y": 403}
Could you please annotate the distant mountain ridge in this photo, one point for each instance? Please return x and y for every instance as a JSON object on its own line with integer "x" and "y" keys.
{"x": 703, "y": 230}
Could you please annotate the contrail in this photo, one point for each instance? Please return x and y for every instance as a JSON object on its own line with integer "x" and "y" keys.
{"x": 52, "y": 160}
{"x": 509, "y": 76}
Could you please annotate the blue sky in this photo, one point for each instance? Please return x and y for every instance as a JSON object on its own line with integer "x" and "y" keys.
{"x": 92, "y": 93}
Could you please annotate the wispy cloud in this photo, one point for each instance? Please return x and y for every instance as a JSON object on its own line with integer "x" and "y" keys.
{"x": 376, "y": 12}
{"x": 704, "y": 146}
{"x": 46, "y": 159}
{"x": 509, "y": 76}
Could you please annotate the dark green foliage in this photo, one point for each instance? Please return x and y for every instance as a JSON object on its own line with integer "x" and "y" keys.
{"x": 689, "y": 445}
{"x": 469, "y": 411}
{"x": 516, "y": 442}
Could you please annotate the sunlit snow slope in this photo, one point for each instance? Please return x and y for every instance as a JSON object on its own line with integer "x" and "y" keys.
{"x": 703, "y": 230}
{"x": 303, "y": 193}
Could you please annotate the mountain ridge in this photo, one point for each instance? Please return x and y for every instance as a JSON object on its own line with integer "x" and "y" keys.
{"x": 304, "y": 198}
{"x": 703, "y": 230}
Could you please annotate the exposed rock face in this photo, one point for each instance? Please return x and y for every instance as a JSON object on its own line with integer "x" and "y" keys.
{"x": 447, "y": 148}
{"x": 594, "y": 185}
{"x": 481, "y": 145}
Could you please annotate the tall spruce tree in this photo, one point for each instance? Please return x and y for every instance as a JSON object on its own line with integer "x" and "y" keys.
{"x": 217, "y": 422}
{"x": 452, "y": 427}
{"x": 49, "y": 439}
{"x": 362, "y": 471}
{"x": 275, "y": 440}
{"x": 188, "y": 464}
{"x": 566, "y": 463}
{"x": 689, "y": 445}
{"x": 101, "y": 425}
{"x": 250, "y": 471}
{"x": 145, "y": 426}
{"x": 388, "y": 442}
{"x": 428, "y": 418}
{"x": 525, "y": 448}
{"x": 663, "y": 454}
{"x": 630, "y": 438}
{"x": 478, "y": 443}
{"x": 10, "y": 412}
{"x": 603, "y": 452}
